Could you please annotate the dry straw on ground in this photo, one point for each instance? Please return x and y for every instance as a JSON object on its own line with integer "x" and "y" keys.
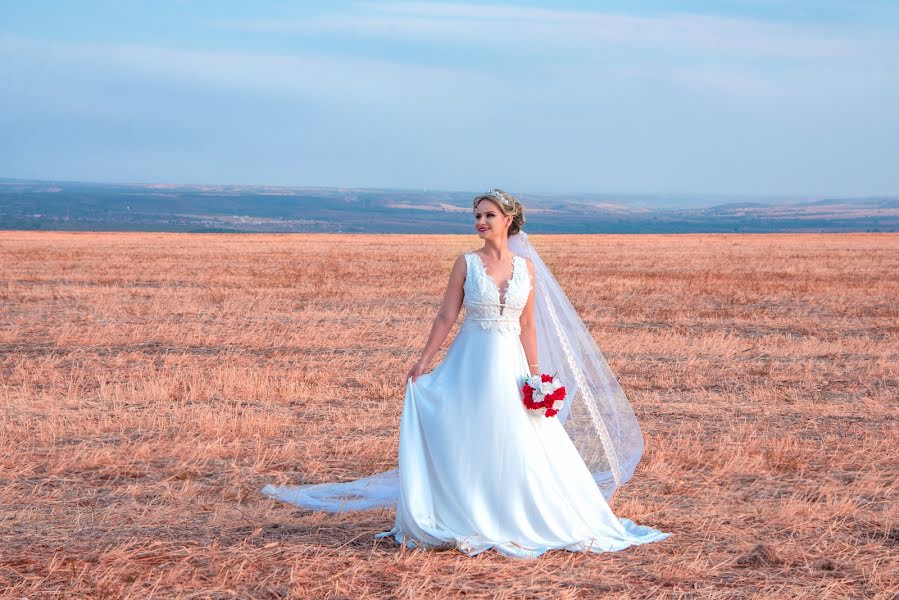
{"x": 153, "y": 383}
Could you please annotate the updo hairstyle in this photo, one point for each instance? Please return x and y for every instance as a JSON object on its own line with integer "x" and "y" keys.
{"x": 508, "y": 205}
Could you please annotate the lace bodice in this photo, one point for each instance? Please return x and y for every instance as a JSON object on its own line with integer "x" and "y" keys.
{"x": 483, "y": 305}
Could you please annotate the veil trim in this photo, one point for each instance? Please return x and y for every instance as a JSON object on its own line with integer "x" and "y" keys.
{"x": 589, "y": 400}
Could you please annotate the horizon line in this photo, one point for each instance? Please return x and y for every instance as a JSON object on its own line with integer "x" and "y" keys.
{"x": 457, "y": 191}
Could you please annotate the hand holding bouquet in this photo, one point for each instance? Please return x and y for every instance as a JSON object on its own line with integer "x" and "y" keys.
{"x": 543, "y": 394}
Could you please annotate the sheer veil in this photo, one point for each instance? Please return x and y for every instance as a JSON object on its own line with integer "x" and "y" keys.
{"x": 596, "y": 415}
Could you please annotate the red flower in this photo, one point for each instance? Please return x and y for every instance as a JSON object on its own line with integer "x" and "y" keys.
{"x": 547, "y": 401}
{"x": 529, "y": 398}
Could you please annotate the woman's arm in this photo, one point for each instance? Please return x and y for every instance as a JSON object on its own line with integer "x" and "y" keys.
{"x": 448, "y": 313}
{"x": 529, "y": 325}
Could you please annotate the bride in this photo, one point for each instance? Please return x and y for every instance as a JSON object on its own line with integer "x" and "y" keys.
{"x": 477, "y": 469}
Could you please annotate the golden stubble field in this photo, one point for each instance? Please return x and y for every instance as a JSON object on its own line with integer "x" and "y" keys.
{"x": 153, "y": 383}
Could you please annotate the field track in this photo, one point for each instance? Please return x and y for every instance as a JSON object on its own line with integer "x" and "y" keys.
{"x": 151, "y": 384}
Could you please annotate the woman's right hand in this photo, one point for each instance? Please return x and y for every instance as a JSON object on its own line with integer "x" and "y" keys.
{"x": 415, "y": 370}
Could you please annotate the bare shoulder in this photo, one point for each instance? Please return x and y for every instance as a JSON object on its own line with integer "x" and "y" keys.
{"x": 532, "y": 274}
{"x": 460, "y": 264}
{"x": 462, "y": 259}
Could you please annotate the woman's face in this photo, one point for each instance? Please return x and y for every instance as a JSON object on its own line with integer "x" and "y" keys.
{"x": 489, "y": 220}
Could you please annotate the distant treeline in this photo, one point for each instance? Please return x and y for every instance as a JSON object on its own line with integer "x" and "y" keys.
{"x": 73, "y": 206}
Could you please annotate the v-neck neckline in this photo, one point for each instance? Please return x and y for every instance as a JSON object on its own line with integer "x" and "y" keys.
{"x": 499, "y": 292}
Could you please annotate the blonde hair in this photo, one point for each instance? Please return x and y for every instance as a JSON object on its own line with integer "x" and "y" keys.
{"x": 508, "y": 204}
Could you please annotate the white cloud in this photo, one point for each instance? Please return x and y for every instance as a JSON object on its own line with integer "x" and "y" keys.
{"x": 338, "y": 79}
{"x": 523, "y": 28}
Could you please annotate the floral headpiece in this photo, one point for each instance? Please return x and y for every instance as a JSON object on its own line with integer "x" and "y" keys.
{"x": 499, "y": 197}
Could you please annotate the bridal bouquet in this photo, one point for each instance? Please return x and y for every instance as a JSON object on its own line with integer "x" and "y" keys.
{"x": 543, "y": 394}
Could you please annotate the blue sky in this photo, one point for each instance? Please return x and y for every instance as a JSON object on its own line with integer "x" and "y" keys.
{"x": 792, "y": 97}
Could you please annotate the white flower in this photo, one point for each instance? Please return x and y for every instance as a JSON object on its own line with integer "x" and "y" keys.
{"x": 546, "y": 387}
{"x": 534, "y": 381}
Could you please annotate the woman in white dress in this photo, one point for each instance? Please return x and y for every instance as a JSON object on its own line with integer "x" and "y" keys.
{"x": 477, "y": 469}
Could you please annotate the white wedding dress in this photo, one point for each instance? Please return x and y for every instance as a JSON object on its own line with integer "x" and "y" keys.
{"x": 477, "y": 470}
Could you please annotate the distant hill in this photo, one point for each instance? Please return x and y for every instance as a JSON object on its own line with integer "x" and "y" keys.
{"x": 74, "y": 206}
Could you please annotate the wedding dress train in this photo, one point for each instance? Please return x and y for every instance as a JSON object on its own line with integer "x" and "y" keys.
{"x": 477, "y": 470}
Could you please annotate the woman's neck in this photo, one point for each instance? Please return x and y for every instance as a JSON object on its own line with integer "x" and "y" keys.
{"x": 497, "y": 249}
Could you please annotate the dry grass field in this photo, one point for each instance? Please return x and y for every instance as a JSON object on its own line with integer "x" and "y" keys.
{"x": 151, "y": 384}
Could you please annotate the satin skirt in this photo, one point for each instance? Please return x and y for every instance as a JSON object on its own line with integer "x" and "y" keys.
{"x": 478, "y": 470}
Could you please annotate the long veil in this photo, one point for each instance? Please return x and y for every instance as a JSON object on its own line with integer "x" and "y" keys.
{"x": 596, "y": 415}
